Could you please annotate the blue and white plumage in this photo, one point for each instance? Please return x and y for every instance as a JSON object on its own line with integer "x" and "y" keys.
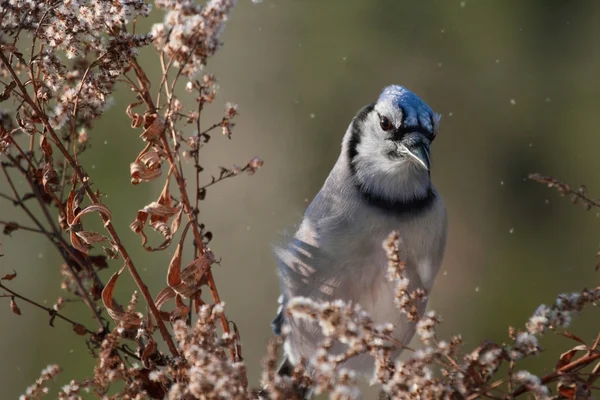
{"x": 380, "y": 183}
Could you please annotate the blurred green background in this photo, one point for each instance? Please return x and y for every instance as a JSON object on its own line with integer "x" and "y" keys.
{"x": 517, "y": 84}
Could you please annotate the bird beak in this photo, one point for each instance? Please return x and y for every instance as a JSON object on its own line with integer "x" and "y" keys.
{"x": 417, "y": 153}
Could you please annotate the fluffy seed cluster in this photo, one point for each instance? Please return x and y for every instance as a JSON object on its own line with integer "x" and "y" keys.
{"x": 76, "y": 29}
{"x": 190, "y": 32}
{"x": 437, "y": 370}
{"x": 206, "y": 370}
{"x": 38, "y": 389}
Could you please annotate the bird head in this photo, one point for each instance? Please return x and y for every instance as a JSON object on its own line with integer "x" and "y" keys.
{"x": 388, "y": 147}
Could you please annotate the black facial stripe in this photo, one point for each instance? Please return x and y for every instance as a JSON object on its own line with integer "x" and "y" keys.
{"x": 397, "y": 207}
{"x": 355, "y": 134}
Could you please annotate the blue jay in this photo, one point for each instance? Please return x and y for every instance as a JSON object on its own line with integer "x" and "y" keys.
{"x": 380, "y": 183}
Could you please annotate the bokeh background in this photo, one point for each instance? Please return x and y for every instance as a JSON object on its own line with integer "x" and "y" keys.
{"x": 518, "y": 86}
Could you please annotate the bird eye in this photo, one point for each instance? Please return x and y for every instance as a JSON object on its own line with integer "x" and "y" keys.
{"x": 385, "y": 123}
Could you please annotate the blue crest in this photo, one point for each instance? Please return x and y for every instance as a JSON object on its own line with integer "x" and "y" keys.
{"x": 415, "y": 111}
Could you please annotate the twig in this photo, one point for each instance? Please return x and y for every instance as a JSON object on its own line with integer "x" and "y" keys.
{"x": 23, "y": 228}
{"x": 145, "y": 94}
{"x": 51, "y": 312}
{"x": 110, "y": 228}
{"x": 84, "y": 293}
{"x": 579, "y": 363}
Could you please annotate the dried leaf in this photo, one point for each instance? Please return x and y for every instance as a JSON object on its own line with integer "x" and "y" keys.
{"x": 99, "y": 208}
{"x": 159, "y": 210}
{"x": 139, "y": 173}
{"x": 238, "y": 342}
{"x": 9, "y": 277}
{"x": 136, "y": 119}
{"x": 181, "y": 310}
{"x": 163, "y": 296}
{"x": 78, "y": 243}
{"x": 174, "y": 272}
{"x": 567, "y": 391}
{"x": 71, "y": 207}
{"x": 110, "y": 252}
{"x": 155, "y": 126}
{"x": 148, "y": 351}
{"x": 91, "y": 237}
{"x": 50, "y": 179}
{"x": 79, "y": 329}
{"x": 99, "y": 261}
{"x": 52, "y": 318}
{"x": 128, "y": 320}
{"x": 45, "y": 146}
{"x": 13, "y": 306}
{"x": 177, "y": 220}
{"x": 10, "y": 228}
{"x": 188, "y": 282}
{"x": 78, "y": 198}
{"x": 159, "y": 213}
{"x": 5, "y": 94}
{"x": 566, "y": 357}
{"x": 146, "y": 167}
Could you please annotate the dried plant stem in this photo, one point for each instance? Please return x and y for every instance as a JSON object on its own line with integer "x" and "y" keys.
{"x": 571, "y": 367}
{"x": 138, "y": 280}
{"x": 84, "y": 293}
{"x": 51, "y": 312}
{"x": 147, "y": 98}
{"x": 21, "y": 227}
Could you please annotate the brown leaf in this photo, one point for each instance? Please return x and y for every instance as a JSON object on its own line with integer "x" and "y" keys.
{"x": 78, "y": 243}
{"x": 148, "y": 351}
{"x": 50, "y": 179}
{"x": 567, "y": 391}
{"x": 45, "y": 146}
{"x": 128, "y": 320}
{"x": 159, "y": 213}
{"x": 79, "y": 329}
{"x": 71, "y": 207}
{"x": 181, "y": 310}
{"x": 238, "y": 342}
{"x": 136, "y": 119}
{"x": 174, "y": 272}
{"x": 159, "y": 210}
{"x": 139, "y": 172}
{"x": 187, "y": 282}
{"x": 5, "y": 94}
{"x": 177, "y": 220}
{"x": 137, "y": 226}
{"x": 193, "y": 273}
{"x": 567, "y": 356}
{"x": 9, "y": 277}
{"x": 52, "y": 317}
{"x": 99, "y": 208}
{"x": 99, "y": 261}
{"x": 146, "y": 167}
{"x": 163, "y": 296}
{"x": 91, "y": 237}
{"x": 10, "y": 228}
{"x": 13, "y": 306}
{"x": 110, "y": 252}
{"x": 155, "y": 126}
